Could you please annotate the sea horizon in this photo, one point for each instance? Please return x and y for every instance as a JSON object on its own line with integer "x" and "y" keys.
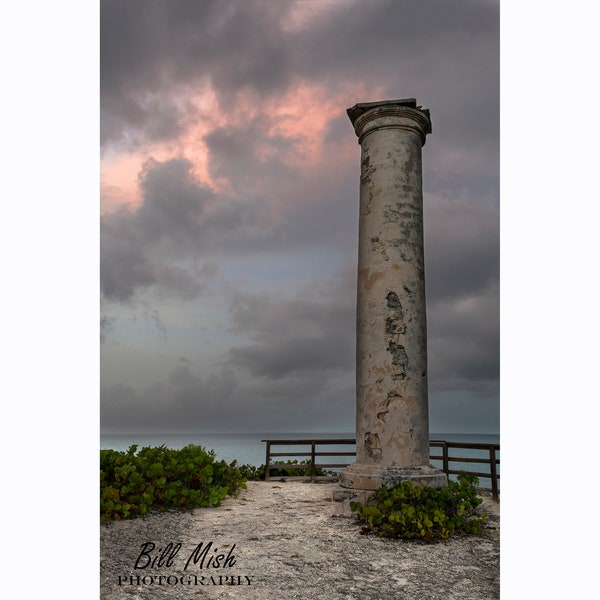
{"x": 249, "y": 449}
{"x": 212, "y": 432}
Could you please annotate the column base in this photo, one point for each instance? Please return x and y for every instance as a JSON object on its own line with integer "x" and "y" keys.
{"x": 371, "y": 477}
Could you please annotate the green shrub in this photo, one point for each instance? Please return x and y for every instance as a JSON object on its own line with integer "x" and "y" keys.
{"x": 281, "y": 471}
{"x": 412, "y": 511}
{"x": 252, "y": 473}
{"x": 159, "y": 478}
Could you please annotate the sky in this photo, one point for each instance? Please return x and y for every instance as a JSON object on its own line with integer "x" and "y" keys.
{"x": 51, "y": 239}
{"x": 229, "y": 184}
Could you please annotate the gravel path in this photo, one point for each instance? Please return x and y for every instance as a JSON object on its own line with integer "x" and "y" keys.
{"x": 279, "y": 540}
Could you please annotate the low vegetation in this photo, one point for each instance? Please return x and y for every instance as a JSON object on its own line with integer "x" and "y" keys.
{"x": 157, "y": 478}
{"x": 133, "y": 482}
{"x": 258, "y": 473}
{"x": 412, "y": 511}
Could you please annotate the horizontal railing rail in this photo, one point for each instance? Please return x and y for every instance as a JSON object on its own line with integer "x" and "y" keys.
{"x": 491, "y": 457}
{"x": 312, "y": 465}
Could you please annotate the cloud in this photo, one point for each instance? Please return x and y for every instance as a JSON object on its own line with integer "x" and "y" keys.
{"x": 150, "y": 245}
{"x": 462, "y": 265}
{"x": 297, "y": 366}
{"x": 176, "y": 45}
{"x": 462, "y": 244}
{"x": 106, "y": 325}
{"x": 303, "y": 336}
{"x": 224, "y": 402}
{"x": 232, "y": 117}
{"x": 464, "y": 411}
{"x": 248, "y": 153}
{"x": 463, "y": 342}
{"x": 124, "y": 263}
{"x": 153, "y": 55}
{"x": 184, "y": 400}
{"x": 180, "y": 216}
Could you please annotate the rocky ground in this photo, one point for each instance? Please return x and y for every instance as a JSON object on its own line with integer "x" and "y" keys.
{"x": 280, "y": 540}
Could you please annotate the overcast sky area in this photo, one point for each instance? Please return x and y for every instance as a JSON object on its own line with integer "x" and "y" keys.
{"x": 229, "y": 208}
{"x": 230, "y": 184}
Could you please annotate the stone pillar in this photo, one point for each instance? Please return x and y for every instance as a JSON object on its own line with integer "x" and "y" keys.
{"x": 392, "y": 422}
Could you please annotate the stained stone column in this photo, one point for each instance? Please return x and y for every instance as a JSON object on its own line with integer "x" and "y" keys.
{"x": 392, "y": 423}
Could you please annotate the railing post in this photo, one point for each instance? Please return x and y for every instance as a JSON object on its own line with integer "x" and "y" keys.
{"x": 493, "y": 472}
{"x": 268, "y": 461}
{"x": 492, "y": 460}
{"x": 445, "y": 464}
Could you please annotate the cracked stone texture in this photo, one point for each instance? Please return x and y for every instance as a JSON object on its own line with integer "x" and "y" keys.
{"x": 291, "y": 546}
{"x": 391, "y": 326}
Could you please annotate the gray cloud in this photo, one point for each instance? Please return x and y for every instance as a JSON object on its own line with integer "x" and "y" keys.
{"x": 247, "y": 153}
{"x": 140, "y": 246}
{"x": 185, "y": 400}
{"x": 300, "y": 336}
{"x": 124, "y": 263}
{"x": 463, "y": 342}
{"x": 152, "y": 51}
{"x": 464, "y": 411}
{"x": 462, "y": 246}
{"x": 174, "y": 203}
{"x": 106, "y": 325}
{"x": 293, "y": 355}
{"x": 221, "y": 402}
{"x": 315, "y": 337}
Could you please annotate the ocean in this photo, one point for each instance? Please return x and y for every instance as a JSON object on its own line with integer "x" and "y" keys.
{"x": 247, "y": 448}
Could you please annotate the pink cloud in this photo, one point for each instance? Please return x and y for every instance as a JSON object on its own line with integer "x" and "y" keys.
{"x": 300, "y": 118}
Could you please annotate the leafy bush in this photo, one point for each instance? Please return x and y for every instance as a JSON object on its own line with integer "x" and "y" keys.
{"x": 252, "y": 473}
{"x": 412, "y": 511}
{"x": 158, "y": 478}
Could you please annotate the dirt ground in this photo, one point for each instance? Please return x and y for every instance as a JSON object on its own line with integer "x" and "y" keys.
{"x": 280, "y": 540}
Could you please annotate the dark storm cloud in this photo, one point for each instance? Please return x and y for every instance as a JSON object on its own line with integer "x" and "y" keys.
{"x": 299, "y": 351}
{"x": 297, "y": 205}
{"x": 174, "y": 207}
{"x": 184, "y": 400}
{"x": 139, "y": 54}
{"x": 464, "y": 412}
{"x": 180, "y": 222}
{"x": 462, "y": 265}
{"x": 152, "y": 49}
{"x": 247, "y": 154}
{"x": 149, "y": 49}
{"x": 361, "y": 38}
{"x": 319, "y": 401}
{"x": 176, "y": 213}
{"x": 301, "y": 336}
{"x": 189, "y": 391}
{"x": 189, "y": 402}
{"x": 463, "y": 342}
{"x": 220, "y": 402}
{"x": 106, "y": 325}
{"x": 124, "y": 262}
{"x": 462, "y": 246}
{"x": 314, "y": 337}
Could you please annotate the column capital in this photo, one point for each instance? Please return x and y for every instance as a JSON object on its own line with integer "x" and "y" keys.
{"x": 368, "y": 117}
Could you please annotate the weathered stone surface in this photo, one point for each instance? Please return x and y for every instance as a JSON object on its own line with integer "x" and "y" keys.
{"x": 287, "y": 541}
{"x": 392, "y": 420}
{"x": 371, "y": 477}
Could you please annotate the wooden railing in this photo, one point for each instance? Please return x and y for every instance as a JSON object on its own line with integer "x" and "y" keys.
{"x": 312, "y": 455}
{"x": 491, "y": 460}
{"x": 446, "y": 458}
